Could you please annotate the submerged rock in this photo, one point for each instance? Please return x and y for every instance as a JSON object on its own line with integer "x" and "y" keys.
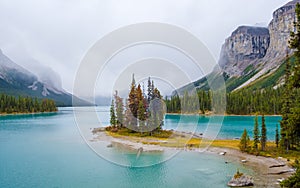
{"x": 241, "y": 181}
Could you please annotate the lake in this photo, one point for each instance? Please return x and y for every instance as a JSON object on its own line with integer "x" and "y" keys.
{"x": 47, "y": 150}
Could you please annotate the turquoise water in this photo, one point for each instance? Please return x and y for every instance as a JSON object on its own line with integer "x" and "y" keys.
{"x": 232, "y": 126}
{"x": 47, "y": 150}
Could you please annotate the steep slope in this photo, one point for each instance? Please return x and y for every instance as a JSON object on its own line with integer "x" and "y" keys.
{"x": 17, "y": 81}
{"x": 252, "y": 55}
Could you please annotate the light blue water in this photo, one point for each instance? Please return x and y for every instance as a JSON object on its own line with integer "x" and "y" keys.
{"x": 47, "y": 151}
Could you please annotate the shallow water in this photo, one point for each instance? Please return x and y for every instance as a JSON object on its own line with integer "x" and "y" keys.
{"x": 47, "y": 150}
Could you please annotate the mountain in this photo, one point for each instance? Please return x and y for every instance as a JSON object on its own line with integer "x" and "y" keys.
{"x": 254, "y": 56}
{"x": 17, "y": 81}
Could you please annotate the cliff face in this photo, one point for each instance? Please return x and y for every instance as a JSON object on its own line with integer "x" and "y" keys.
{"x": 280, "y": 27}
{"x": 245, "y": 46}
{"x": 264, "y": 48}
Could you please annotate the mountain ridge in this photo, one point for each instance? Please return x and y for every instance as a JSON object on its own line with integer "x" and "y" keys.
{"x": 251, "y": 53}
{"x": 18, "y": 81}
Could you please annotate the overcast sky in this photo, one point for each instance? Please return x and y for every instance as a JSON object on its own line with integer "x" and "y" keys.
{"x": 58, "y": 33}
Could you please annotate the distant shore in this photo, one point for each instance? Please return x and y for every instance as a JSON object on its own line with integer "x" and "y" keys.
{"x": 211, "y": 114}
{"x": 264, "y": 175}
{"x": 23, "y": 113}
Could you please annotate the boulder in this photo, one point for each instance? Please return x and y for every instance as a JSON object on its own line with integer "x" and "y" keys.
{"x": 241, "y": 181}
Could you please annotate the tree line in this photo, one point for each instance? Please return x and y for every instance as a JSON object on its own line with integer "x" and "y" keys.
{"x": 241, "y": 102}
{"x": 10, "y": 104}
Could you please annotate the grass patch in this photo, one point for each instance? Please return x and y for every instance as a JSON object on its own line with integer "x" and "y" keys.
{"x": 123, "y": 131}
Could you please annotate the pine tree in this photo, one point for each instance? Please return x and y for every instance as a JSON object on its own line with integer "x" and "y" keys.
{"x": 284, "y": 123}
{"x": 133, "y": 102}
{"x": 245, "y": 141}
{"x": 294, "y": 43}
{"x": 150, "y": 91}
{"x": 119, "y": 109}
{"x": 112, "y": 114}
{"x": 277, "y": 136}
{"x": 256, "y": 133}
{"x": 263, "y": 140}
{"x": 141, "y": 115}
{"x": 291, "y": 119}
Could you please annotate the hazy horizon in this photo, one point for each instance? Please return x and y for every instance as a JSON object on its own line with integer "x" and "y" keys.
{"x": 56, "y": 35}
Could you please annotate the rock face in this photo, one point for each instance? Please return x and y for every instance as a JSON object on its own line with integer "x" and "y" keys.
{"x": 264, "y": 48}
{"x": 242, "y": 181}
{"x": 280, "y": 27}
{"x": 245, "y": 46}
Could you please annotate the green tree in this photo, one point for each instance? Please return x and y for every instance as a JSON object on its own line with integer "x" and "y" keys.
{"x": 287, "y": 101}
{"x": 245, "y": 142}
{"x": 112, "y": 114}
{"x": 263, "y": 140}
{"x": 294, "y": 43}
{"x": 133, "y": 102}
{"x": 119, "y": 109}
{"x": 277, "y": 136}
{"x": 256, "y": 136}
{"x": 293, "y": 181}
{"x": 150, "y": 91}
{"x": 290, "y": 118}
{"x": 141, "y": 115}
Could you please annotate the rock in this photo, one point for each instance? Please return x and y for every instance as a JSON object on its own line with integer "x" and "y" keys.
{"x": 245, "y": 46}
{"x": 99, "y": 129}
{"x": 109, "y": 146}
{"x": 222, "y": 153}
{"x": 241, "y": 181}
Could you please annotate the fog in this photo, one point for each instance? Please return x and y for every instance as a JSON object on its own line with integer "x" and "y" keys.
{"x": 56, "y": 34}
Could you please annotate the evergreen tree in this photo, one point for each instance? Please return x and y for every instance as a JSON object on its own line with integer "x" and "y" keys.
{"x": 245, "y": 141}
{"x": 256, "y": 134}
{"x": 293, "y": 181}
{"x": 263, "y": 140}
{"x": 150, "y": 91}
{"x": 284, "y": 123}
{"x": 112, "y": 114}
{"x": 294, "y": 43}
{"x": 290, "y": 124}
{"x": 133, "y": 102}
{"x": 277, "y": 136}
{"x": 141, "y": 115}
{"x": 119, "y": 109}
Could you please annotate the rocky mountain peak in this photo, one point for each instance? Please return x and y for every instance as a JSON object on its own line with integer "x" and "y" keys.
{"x": 245, "y": 45}
{"x": 259, "y": 47}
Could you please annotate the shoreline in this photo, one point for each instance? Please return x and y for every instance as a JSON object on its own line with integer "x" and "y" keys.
{"x": 29, "y": 113}
{"x": 268, "y": 172}
{"x": 263, "y": 176}
{"x": 250, "y": 115}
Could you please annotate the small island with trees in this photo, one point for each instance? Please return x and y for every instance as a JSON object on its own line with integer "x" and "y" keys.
{"x": 142, "y": 115}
